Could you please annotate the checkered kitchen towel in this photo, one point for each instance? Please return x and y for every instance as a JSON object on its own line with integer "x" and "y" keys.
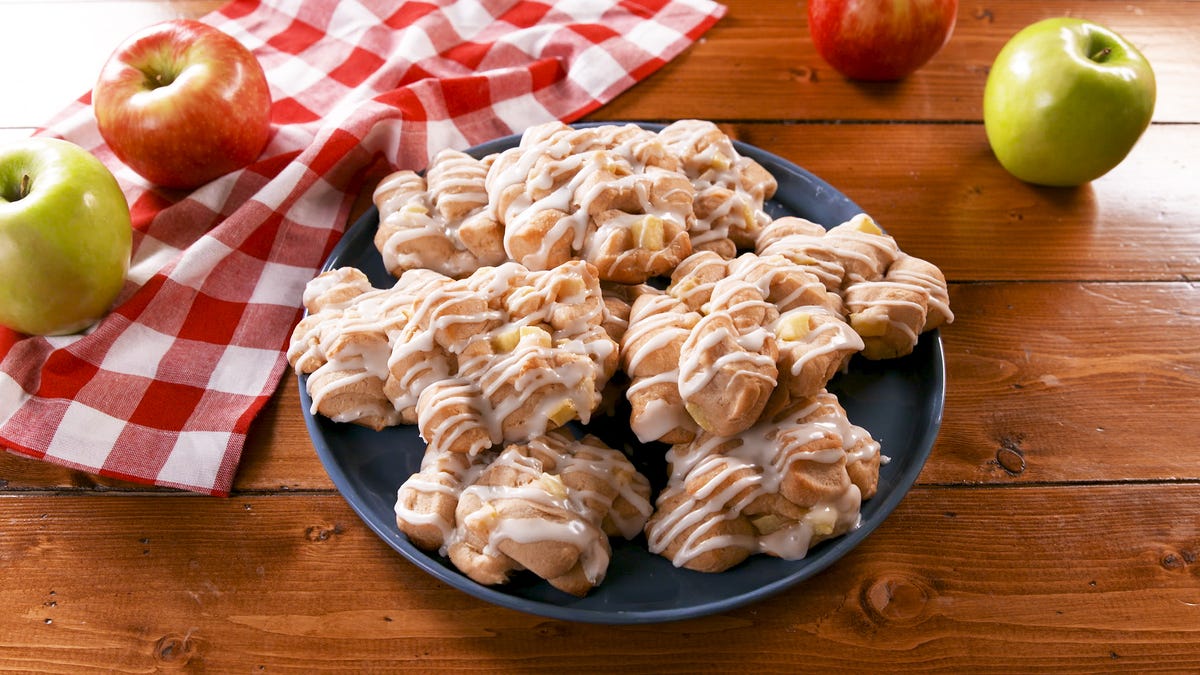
{"x": 164, "y": 389}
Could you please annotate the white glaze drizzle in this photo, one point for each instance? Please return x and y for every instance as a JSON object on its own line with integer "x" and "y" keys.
{"x": 866, "y": 268}
{"x": 753, "y": 464}
{"x": 581, "y": 154}
{"x": 720, "y": 176}
{"x": 418, "y": 343}
{"x": 421, "y": 217}
{"x": 549, "y": 474}
{"x": 566, "y": 175}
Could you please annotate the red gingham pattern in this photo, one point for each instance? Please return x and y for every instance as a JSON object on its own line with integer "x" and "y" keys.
{"x": 164, "y": 389}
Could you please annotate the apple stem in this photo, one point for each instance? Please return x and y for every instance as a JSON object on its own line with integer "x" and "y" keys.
{"x": 1101, "y": 55}
{"x": 23, "y": 189}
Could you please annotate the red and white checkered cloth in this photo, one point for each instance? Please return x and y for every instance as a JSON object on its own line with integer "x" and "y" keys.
{"x": 165, "y": 388}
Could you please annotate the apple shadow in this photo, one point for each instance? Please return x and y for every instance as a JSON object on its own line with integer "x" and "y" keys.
{"x": 1064, "y": 222}
{"x": 1078, "y": 201}
{"x": 879, "y": 92}
{"x": 1072, "y": 207}
{"x": 1028, "y": 231}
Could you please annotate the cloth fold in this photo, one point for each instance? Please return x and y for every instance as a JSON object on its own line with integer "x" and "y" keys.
{"x": 164, "y": 389}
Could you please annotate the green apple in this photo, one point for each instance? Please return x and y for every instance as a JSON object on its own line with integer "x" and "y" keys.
{"x": 1065, "y": 101}
{"x": 65, "y": 237}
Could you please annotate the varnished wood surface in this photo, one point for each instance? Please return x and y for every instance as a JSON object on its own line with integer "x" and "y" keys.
{"x": 959, "y": 580}
{"x": 1054, "y": 527}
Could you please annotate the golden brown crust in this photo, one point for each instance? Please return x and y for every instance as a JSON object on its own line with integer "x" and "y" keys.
{"x": 778, "y": 488}
{"x": 610, "y": 195}
{"x": 441, "y": 221}
{"x": 888, "y": 296}
{"x": 501, "y": 355}
{"x": 547, "y": 506}
{"x": 725, "y": 384}
{"x": 728, "y": 341}
{"x": 650, "y": 356}
{"x": 730, "y": 189}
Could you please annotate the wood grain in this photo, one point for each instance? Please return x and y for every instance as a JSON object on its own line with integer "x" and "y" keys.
{"x": 1077, "y": 578}
{"x": 941, "y": 193}
{"x": 1053, "y": 528}
{"x": 746, "y": 46}
{"x": 1070, "y": 383}
{"x": 1047, "y": 382}
{"x": 939, "y": 190}
{"x": 776, "y": 73}
{"x": 1087, "y": 386}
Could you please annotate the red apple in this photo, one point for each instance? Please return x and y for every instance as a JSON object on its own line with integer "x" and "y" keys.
{"x": 182, "y": 103}
{"x": 880, "y": 40}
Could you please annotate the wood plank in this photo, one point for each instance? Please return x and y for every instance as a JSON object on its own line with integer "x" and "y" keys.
{"x": 940, "y": 191}
{"x": 1021, "y": 343}
{"x": 1070, "y": 382}
{"x": 1030, "y": 395}
{"x": 1081, "y": 578}
{"x": 977, "y": 223}
{"x": 750, "y": 39}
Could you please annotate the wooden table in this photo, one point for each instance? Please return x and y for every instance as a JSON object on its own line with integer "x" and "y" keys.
{"x": 1055, "y": 525}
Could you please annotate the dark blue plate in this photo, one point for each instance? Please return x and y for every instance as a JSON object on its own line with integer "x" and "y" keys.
{"x": 898, "y": 401}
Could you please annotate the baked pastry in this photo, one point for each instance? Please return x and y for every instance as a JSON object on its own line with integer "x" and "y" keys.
{"x": 888, "y": 296}
{"x": 547, "y": 505}
{"x": 440, "y": 221}
{"x": 731, "y": 189}
{"x": 630, "y": 201}
{"x": 726, "y": 338}
{"x": 530, "y": 293}
{"x": 344, "y": 346}
{"x": 502, "y": 355}
{"x": 611, "y": 195}
{"x": 781, "y": 486}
